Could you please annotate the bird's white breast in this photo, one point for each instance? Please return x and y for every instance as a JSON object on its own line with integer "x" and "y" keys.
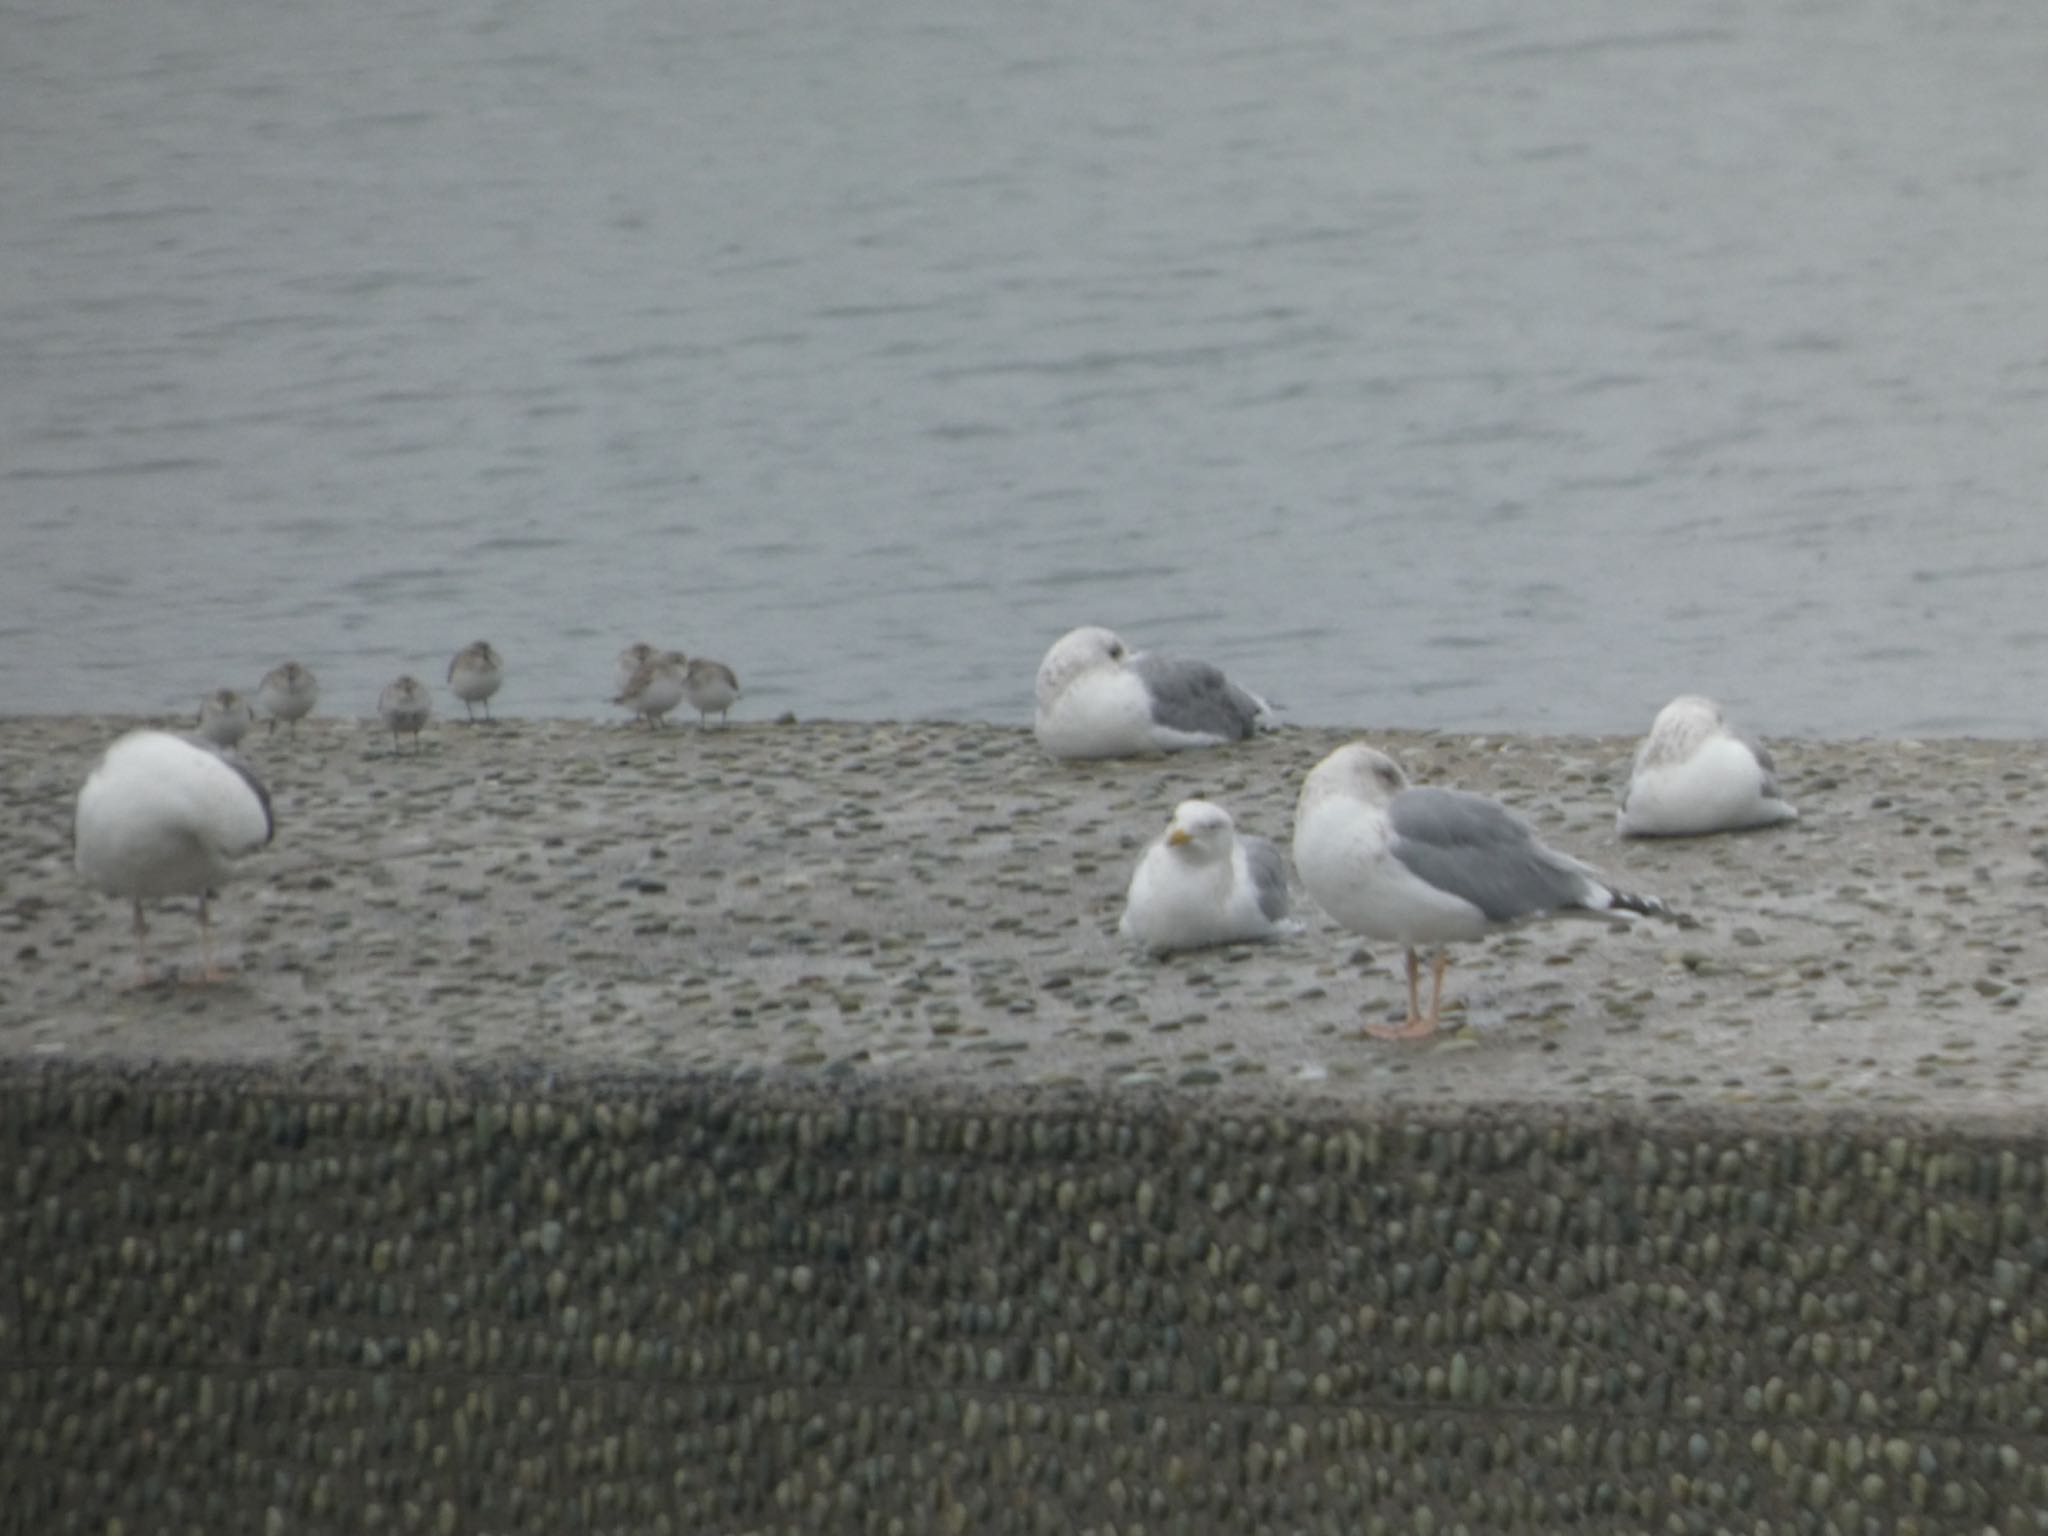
{"x": 1102, "y": 712}
{"x": 1343, "y": 850}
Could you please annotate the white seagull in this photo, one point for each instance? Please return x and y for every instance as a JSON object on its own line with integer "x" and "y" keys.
{"x": 288, "y": 692}
{"x": 1200, "y": 883}
{"x": 474, "y": 675}
{"x": 1695, "y": 773}
{"x": 161, "y": 815}
{"x": 1098, "y": 698}
{"x": 1420, "y": 867}
{"x": 406, "y": 706}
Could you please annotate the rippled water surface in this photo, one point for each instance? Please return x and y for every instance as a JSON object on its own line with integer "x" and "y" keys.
{"x": 1464, "y": 365}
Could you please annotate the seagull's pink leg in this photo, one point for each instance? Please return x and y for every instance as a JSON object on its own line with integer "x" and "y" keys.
{"x": 1417, "y": 1027}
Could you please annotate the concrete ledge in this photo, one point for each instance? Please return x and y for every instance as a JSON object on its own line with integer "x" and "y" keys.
{"x": 762, "y": 1131}
{"x": 644, "y": 1305}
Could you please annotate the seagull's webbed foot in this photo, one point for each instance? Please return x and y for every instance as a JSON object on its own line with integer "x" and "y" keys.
{"x": 1417, "y": 1027}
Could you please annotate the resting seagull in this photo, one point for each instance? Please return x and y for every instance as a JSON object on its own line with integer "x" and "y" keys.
{"x": 161, "y": 815}
{"x": 1199, "y": 883}
{"x": 1695, "y": 773}
{"x": 1421, "y": 867}
{"x": 1097, "y": 698}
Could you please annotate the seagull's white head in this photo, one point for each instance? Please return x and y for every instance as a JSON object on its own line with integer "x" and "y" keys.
{"x": 1680, "y": 729}
{"x": 1200, "y": 832}
{"x": 1354, "y": 771}
{"x": 1075, "y": 652}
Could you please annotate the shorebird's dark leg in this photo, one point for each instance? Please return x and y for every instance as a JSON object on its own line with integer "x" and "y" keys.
{"x": 141, "y": 947}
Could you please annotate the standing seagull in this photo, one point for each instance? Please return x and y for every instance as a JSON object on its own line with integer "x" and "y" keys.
{"x": 1098, "y": 698}
{"x": 224, "y": 717}
{"x": 288, "y": 692}
{"x": 1695, "y": 773}
{"x": 1199, "y": 883}
{"x": 1430, "y": 866}
{"x": 160, "y": 815}
{"x": 711, "y": 688}
{"x": 656, "y": 686}
{"x": 405, "y": 705}
{"x": 474, "y": 675}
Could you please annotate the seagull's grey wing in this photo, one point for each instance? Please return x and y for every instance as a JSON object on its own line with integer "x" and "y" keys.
{"x": 1194, "y": 697}
{"x": 1764, "y": 760}
{"x": 1480, "y": 851}
{"x": 1269, "y": 876}
{"x": 240, "y": 764}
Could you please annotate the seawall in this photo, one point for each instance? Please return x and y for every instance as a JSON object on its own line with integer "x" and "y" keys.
{"x": 762, "y": 1131}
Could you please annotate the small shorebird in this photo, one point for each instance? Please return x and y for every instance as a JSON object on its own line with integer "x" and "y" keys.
{"x": 631, "y": 660}
{"x": 1098, "y": 698}
{"x": 475, "y": 674}
{"x": 1695, "y": 773}
{"x": 1428, "y": 866}
{"x": 160, "y": 815}
{"x": 225, "y": 717}
{"x": 288, "y": 692}
{"x": 711, "y": 688}
{"x": 1200, "y": 884}
{"x": 405, "y": 705}
{"x": 656, "y": 686}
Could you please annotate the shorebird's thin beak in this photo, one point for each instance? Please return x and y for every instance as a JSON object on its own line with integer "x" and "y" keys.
{"x": 1177, "y": 836}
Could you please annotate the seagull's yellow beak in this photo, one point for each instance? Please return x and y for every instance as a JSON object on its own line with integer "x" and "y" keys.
{"x": 1177, "y": 837}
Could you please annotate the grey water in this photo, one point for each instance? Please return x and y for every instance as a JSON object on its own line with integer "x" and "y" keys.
{"x": 1473, "y": 365}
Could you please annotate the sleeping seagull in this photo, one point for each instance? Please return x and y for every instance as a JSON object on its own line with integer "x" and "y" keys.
{"x": 1694, "y": 773}
{"x": 1430, "y": 867}
{"x": 1097, "y": 698}
{"x": 1199, "y": 883}
{"x": 163, "y": 815}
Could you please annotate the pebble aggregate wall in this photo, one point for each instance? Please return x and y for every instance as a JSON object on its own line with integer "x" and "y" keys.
{"x": 684, "y": 1306}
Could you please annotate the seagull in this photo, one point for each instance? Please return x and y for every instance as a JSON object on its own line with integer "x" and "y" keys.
{"x": 1200, "y": 883}
{"x": 710, "y": 687}
{"x": 288, "y": 692}
{"x": 224, "y": 717}
{"x": 405, "y": 705}
{"x": 1423, "y": 867}
{"x": 163, "y": 815}
{"x": 474, "y": 675}
{"x": 1098, "y": 698}
{"x": 1695, "y": 773}
{"x": 656, "y": 686}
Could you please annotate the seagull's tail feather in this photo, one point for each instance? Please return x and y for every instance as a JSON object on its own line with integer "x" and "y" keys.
{"x": 1642, "y": 906}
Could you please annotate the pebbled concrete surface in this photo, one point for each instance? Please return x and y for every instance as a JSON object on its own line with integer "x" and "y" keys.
{"x": 933, "y": 904}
